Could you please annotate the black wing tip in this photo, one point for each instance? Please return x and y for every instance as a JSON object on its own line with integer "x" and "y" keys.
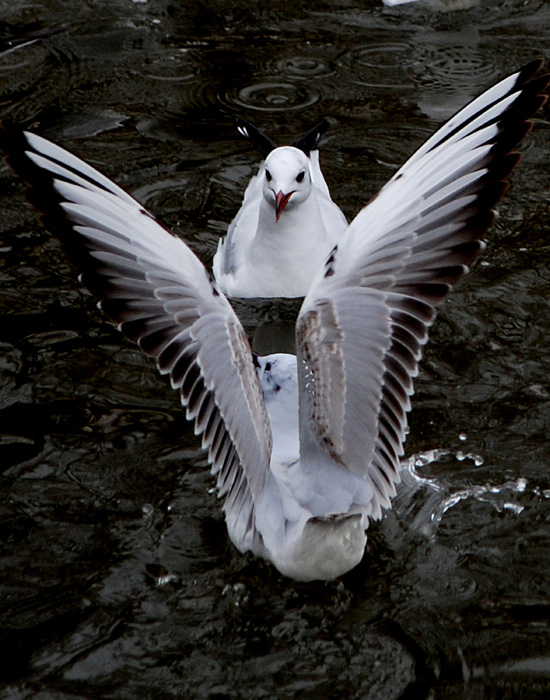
{"x": 532, "y": 85}
{"x": 242, "y": 125}
{"x": 530, "y": 89}
{"x": 309, "y": 142}
{"x": 15, "y": 146}
{"x": 533, "y": 94}
{"x": 306, "y": 143}
{"x": 515, "y": 123}
{"x": 13, "y": 143}
{"x": 533, "y": 81}
{"x": 530, "y": 70}
{"x": 256, "y": 137}
{"x": 41, "y": 194}
{"x": 39, "y": 190}
{"x": 517, "y": 120}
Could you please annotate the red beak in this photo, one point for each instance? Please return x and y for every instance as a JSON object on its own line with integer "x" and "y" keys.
{"x": 281, "y": 200}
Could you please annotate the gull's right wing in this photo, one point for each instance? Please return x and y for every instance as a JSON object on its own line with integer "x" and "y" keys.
{"x": 363, "y": 323}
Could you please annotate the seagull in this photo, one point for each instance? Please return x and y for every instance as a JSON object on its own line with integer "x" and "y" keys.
{"x": 287, "y": 225}
{"x": 304, "y": 449}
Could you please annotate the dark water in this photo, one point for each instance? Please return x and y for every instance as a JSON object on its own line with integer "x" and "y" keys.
{"x": 117, "y": 579}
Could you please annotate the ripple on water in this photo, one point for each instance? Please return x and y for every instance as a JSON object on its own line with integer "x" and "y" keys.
{"x": 177, "y": 80}
{"x": 393, "y": 147}
{"x": 449, "y": 76}
{"x": 175, "y": 67}
{"x": 458, "y": 67}
{"x": 173, "y": 194}
{"x": 272, "y": 96}
{"x": 384, "y": 66}
{"x": 304, "y": 67}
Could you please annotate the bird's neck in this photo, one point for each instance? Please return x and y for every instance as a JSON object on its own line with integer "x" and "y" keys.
{"x": 284, "y": 422}
{"x": 286, "y": 246}
{"x": 297, "y": 223}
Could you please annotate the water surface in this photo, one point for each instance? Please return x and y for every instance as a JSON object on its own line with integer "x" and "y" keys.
{"x": 118, "y": 580}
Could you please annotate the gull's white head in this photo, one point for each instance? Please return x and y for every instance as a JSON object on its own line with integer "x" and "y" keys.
{"x": 287, "y": 178}
{"x": 278, "y": 375}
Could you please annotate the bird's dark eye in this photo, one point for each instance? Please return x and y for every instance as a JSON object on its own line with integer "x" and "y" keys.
{"x": 300, "y": 176}
{"x": 267, "y": 367}
{"x": 268, "y": 175}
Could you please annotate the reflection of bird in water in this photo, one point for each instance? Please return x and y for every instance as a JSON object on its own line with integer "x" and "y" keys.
{"x": 287, "y": 225}
{"x": 305, "y": 449}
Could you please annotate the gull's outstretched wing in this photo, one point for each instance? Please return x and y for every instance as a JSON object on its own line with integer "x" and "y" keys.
{"x": 365, "y": 319}
{"x": 151, "y": 284}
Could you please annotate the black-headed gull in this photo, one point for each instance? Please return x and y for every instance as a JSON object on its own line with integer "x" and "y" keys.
{"x": 287, "y": 225}
{"x": 305, "y": 450}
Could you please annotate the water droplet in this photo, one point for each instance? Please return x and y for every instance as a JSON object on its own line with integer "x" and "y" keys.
{"x": 166, "y": 579}
{"x": 521, "y": 484}
{"x": 514, "y": 507}
{"x": 478, "y": 460}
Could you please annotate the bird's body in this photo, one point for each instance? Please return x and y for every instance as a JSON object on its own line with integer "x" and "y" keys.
{"x": 284, "y": 231}
{"x": 305, "y": 450}
{"x": 322, "y": 510}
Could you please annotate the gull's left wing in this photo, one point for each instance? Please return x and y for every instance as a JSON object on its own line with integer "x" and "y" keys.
{"x": 161, "y": 296}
